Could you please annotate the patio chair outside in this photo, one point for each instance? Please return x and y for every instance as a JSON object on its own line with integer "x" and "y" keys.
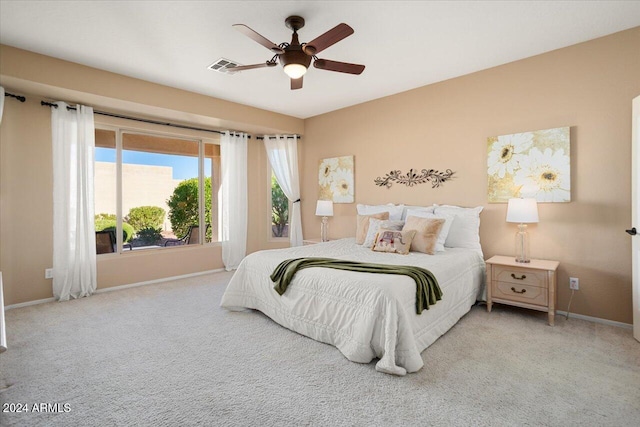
{"x": 192, "y": 237}
{"x": 105, "y": 242}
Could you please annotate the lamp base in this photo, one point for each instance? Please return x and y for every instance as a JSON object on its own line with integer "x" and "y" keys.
{"x": 522, "y": 244}
{"x": 324, "y": 229}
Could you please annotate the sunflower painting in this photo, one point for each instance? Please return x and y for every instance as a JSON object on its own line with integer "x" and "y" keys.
{"x": 531, "y": 164}
{"x": 335, "y": 179}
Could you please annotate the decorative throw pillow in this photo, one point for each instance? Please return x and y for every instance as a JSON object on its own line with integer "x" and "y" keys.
{"x": 377, "y": 224}
{"x": 465, "y": 229}
{"x": 444, "y": 232}
{"x": 427, "y": 231}
{"x": 363, "y": 225}
{"x": 393, "y": 241}
{"x": 395, "y": 211}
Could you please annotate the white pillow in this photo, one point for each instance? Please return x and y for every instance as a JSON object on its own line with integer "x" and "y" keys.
{"x": 465, "y": 229}
{"x": 375, "y": 225}
{"x": 395, "y": 211}
{"x": 444, "y": 231}
{"x": 418, "y": 208}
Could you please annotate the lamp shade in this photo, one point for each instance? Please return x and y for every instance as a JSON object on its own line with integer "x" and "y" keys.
{"x": 324, "y": 208}
{"x": 522, "y": 211}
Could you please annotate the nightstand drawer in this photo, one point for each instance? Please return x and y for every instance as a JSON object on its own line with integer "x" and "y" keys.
{"x": 520, "y": 292}
{"x": 520, "y": 276}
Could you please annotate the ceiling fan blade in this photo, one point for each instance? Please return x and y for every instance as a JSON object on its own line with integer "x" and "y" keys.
{"x": 258, "y": 38}
{"x": 340, "y": 67}
{"x": 296, "y": 83}
{"x": 327, "y": 39}
{"x": 251, "y": 67}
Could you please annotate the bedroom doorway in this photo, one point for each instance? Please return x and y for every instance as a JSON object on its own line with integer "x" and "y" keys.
{"x": 635, "y": 214}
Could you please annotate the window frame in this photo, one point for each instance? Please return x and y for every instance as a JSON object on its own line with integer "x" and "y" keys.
{"x": 201, "y": 140}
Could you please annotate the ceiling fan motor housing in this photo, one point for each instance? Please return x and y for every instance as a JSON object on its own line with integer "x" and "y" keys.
{"x": 294, "y": 55}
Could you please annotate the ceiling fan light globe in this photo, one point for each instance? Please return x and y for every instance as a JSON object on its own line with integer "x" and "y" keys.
{"x": 295, "y": 71}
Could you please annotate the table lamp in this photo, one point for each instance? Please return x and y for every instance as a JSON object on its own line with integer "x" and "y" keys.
{"x": 324, "y": 208}
{"x": 523, "y": 212}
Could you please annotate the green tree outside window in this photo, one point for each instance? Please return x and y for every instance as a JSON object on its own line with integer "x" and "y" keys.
{"x": 279, "y": 210}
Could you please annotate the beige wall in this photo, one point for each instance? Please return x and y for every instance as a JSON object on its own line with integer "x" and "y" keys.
{"x": 26, "y": 205}
{"x": 588, "y": 87}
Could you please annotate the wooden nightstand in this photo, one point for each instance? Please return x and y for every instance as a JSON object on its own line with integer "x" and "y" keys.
{"x": 529, "y": 285}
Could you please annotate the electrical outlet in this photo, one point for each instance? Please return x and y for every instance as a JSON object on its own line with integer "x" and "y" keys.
{"x": 574, "y": 283}
{"x": 48, "y": 273}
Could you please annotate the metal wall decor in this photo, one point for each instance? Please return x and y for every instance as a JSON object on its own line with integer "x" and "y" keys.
{"x": 436, "y": 178}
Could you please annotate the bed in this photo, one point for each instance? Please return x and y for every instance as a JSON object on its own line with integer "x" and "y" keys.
{"x": 365, "y": 315}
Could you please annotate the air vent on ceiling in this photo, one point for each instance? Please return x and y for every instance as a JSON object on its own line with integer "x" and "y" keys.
{"x": 223, "y": 65}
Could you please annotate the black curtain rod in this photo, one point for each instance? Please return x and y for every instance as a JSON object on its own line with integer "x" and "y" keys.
{"x": 18, "y": 97}
{"x": 137, "y": 119}
{"x": 286, "y": 136}
{"x": 155, "y": 122}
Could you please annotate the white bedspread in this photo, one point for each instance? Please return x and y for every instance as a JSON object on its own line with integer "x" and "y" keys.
{"x": 365, "y": 315}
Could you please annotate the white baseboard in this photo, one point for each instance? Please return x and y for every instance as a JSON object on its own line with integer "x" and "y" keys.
{"x": 151, "y": 282}
{"x": 120, "y": 287}
{"x": 596, "y": 320}
{"x": 28, "y": 303}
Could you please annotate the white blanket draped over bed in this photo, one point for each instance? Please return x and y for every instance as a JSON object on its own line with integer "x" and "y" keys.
{"x": 365, "y": 315}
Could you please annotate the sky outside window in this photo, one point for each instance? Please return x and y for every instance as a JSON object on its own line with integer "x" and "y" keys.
{"x": 183, "y": 166}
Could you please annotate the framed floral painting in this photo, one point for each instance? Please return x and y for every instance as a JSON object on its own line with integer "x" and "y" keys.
{"x": 530, "y": 164}
{"x": 335, "y": 179}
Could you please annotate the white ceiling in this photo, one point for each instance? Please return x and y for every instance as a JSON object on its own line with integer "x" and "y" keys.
{"x": 404, "y": 44}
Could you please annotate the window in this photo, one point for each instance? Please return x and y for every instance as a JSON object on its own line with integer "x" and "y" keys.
{"x": 279, "y": 209}
{"x": 158, "y": 191}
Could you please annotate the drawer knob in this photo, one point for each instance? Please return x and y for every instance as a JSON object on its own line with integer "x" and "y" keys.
{"x": 518, "y": 278}
{"x": 518, "y": 292}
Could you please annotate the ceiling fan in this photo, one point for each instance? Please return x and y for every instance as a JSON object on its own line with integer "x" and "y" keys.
{"x": 296, "y": 57}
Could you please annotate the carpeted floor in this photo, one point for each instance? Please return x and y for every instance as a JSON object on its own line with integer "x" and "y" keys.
{"x": 168, "y": 355}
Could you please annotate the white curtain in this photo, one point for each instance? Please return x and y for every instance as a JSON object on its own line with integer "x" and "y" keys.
{"x": 282, "y": 152}
{"x": 74, "y": 238}
{"x": 233, "y": 198}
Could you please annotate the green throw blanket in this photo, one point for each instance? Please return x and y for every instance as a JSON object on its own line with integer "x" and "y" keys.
{"x": 427, "y": 289}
